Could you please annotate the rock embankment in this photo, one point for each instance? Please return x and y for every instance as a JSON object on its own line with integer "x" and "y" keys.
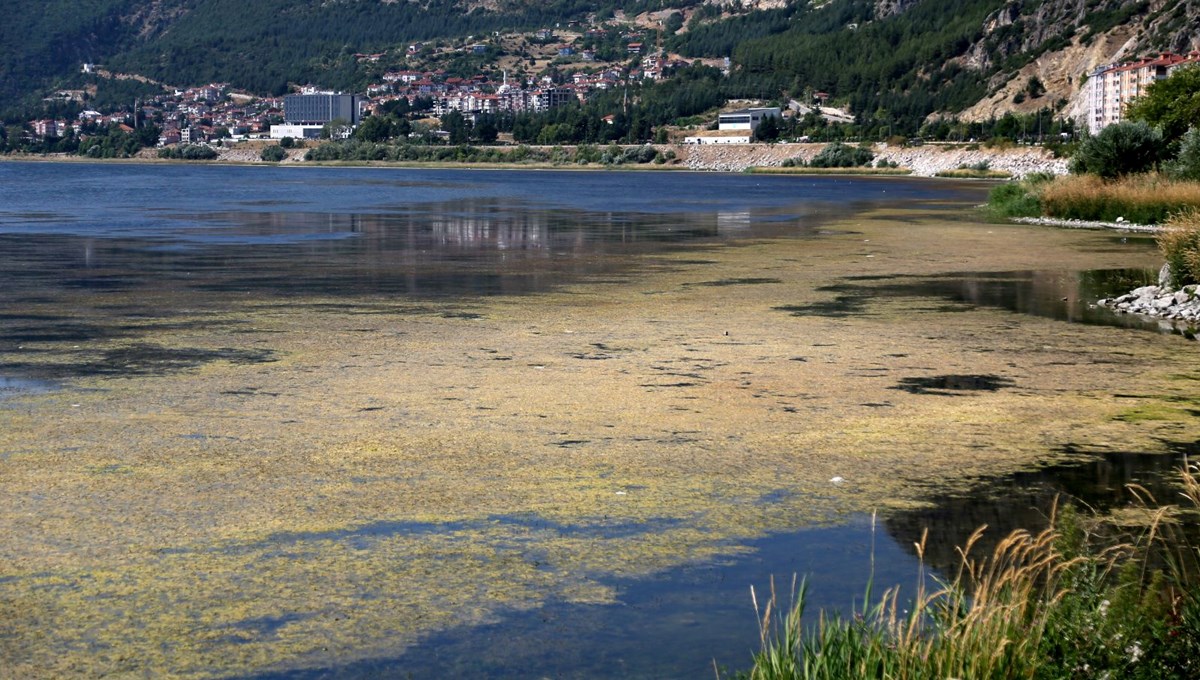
{"x": 1163, "y": 302}
{"x": 253, "y": 154}
{"x": 924, "y": 161}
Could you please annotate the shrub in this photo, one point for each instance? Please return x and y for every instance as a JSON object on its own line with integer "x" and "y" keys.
{"x": 1179, "y": 242}
{"x": 1120, "y": 149}
{"x": 587, "y": 153}
{"x": 1014, "y": 199}
{"x": 189, "y": 152}
{"x": 287, "y": 142}
{"x": 639, "y": 154}
{"x": 273, "y": 154}
{"x": 1187, "y": 164}
{"x": 839, "y": 155}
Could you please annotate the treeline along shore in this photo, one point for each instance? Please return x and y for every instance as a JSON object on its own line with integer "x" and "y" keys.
{"x": 924, "y": 161}
{"x": 927, "y": 160}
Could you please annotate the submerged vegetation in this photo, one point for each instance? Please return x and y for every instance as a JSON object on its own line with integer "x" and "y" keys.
{"x": 1083, "y": 598}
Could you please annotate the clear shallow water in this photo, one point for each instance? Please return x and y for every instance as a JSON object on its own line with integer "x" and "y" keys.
{"x": 93, "y": 252}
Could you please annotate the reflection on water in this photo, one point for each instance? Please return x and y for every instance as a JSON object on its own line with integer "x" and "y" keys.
{"x": 1024, "y": 500}
{"x": 1062, "y": 295}
{"x": 466, "y": 247}
{"x": 10, "y": 386}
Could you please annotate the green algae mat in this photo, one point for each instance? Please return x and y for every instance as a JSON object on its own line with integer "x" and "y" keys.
{"x": 269, "y": 484}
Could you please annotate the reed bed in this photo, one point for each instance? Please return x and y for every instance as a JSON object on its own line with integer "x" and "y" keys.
{"x": 1179, "y": 242}
{"x": 974, "y": 173}
{"x": 1078, "y": 600}
{"x": 1142, "y": 199}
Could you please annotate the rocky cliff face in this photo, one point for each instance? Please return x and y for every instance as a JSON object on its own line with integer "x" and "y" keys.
{"x": 1060, "y": 42}
{"x": 890, "y": 8}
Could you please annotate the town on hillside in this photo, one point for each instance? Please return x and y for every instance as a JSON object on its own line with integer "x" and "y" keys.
{"x": 570, "y": 66}
{"x": 487, "y": 79}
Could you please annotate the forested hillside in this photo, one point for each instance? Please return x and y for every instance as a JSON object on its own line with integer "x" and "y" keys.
{"x": 260, "y": 46}
{"x": 42, "y": 40}
{"x": 901, "y": 62}
{"x": 891, "y": 61}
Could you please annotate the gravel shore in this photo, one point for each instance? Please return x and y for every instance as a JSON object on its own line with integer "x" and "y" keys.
{"x": 924, "y": 161}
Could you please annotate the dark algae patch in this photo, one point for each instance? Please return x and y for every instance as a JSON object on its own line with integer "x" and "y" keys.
{"x": 749, "y": 281}
{"x": 135, "y": 360}
{"x": 840, "y": 307}
{"x": 951, "y": 385}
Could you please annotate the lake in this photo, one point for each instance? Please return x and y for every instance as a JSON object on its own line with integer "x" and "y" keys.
{"x": 335, "y": 422}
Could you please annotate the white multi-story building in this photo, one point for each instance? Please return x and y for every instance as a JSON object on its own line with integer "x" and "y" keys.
{"x": 1114, "y": 86}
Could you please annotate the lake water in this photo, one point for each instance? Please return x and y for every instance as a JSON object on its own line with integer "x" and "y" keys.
{"x": 416, "y": 233}
{"x": 109, "y": 256}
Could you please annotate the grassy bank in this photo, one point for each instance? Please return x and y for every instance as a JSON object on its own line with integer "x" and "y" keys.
{"x": 973, "y": 173}
{"x": 1141, "y": 199}
{"x": 1084, "y": 598}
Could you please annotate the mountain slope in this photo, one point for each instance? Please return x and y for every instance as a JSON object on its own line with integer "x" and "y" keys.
{"x": 259, "y": 45}
{"x": 55, "y": 38}
{"x": 897, "y": 62}
{"x": 905, "y": 60}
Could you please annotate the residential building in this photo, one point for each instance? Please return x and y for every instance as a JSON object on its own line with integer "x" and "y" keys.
{"x": 320, "y": 108}
{"x": 1113, "y": 86}
{"x": 746, "y": 119}
{"x": 49, "y": 128}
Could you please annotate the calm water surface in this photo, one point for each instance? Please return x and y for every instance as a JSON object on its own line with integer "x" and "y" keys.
{"x": 418, "y": 233}
{"x": 70, "y": 232}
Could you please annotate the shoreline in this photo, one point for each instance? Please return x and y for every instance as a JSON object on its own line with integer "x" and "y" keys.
{"x": 1088, "y": 224}
{"x": 921, "y": 161}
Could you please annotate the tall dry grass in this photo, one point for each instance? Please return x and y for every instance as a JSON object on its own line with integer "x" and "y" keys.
{"x": 1179, "y": 242}
{"x": 1057, "y": 604}
{"x": 1143, "y": 199}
